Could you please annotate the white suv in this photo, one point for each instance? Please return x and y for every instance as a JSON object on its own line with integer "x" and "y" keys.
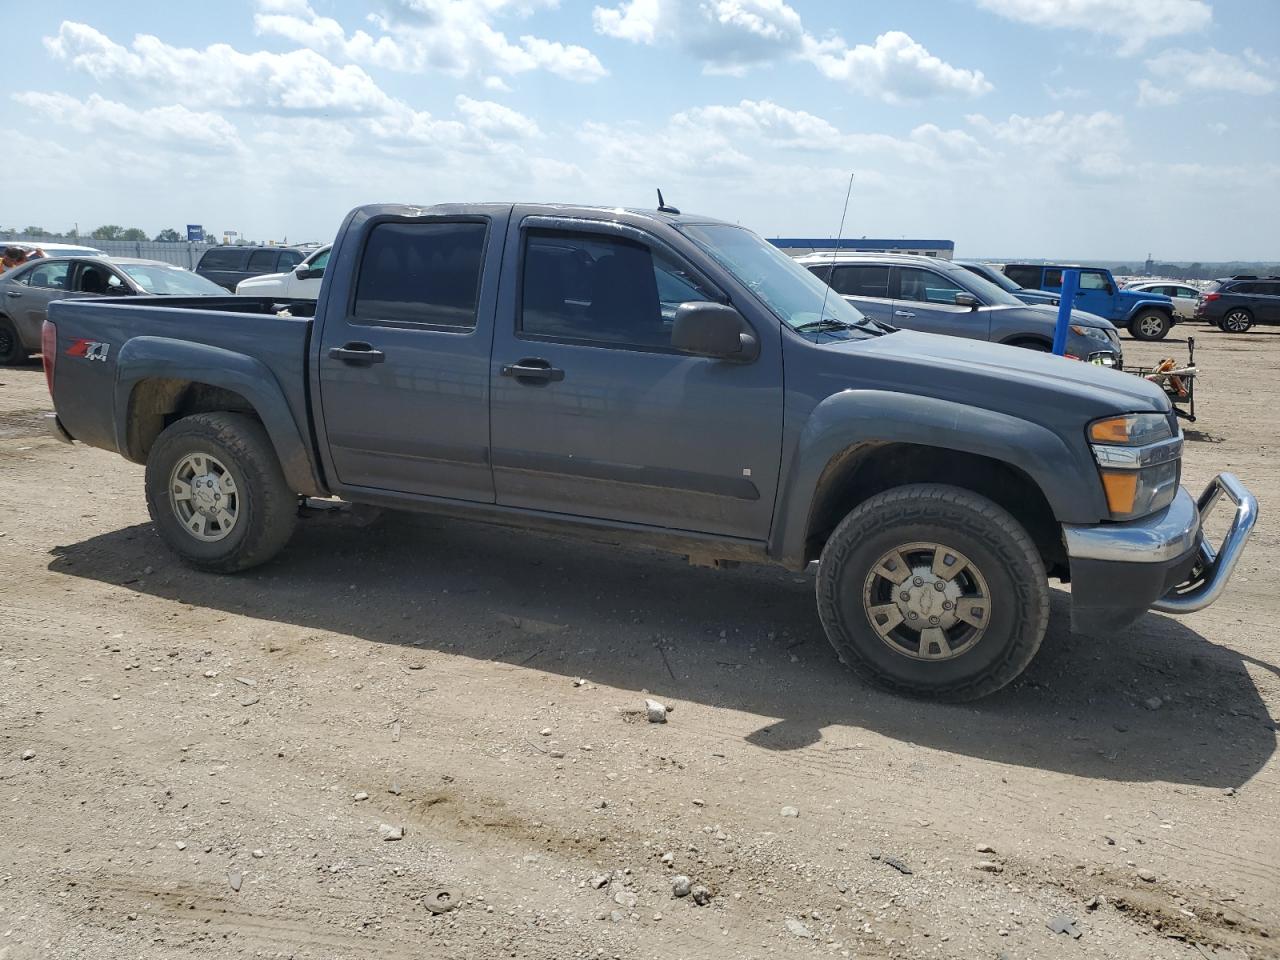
{"x": 300, "y": 283}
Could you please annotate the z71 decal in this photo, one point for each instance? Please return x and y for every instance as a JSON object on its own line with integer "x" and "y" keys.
{"x": 89, "y": 350}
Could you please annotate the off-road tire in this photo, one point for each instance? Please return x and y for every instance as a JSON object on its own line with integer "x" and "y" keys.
{"x": 11, "y": 349}
{"x": 1236, "y": 320}
{"x": 268, "y": 509}
{"x": 1137, "y": 323}
{"x": 963, "y": 521}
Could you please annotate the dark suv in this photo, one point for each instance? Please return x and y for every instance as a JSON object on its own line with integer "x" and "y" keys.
{"x": 227, "y": 266}
{"x": 1234, "y": 304}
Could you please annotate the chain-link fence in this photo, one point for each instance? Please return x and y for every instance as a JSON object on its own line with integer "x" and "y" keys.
{"x": 180, "y": 253}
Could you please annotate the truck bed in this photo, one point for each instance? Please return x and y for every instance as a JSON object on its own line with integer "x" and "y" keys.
{"x": 152, "y": 335}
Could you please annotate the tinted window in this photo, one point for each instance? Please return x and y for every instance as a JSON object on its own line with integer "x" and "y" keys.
{"x": 925, "y": 286}
{"x": 222, "y": 260}
{"x": 593, "y": 288}
{"x": 1268, "y": 289}
{"x": 288, "y": 260}
{"x": 50, "y": 276}
{"x": 1052, "y": 278}
{"x": 1092, "y": 280}
{"x": 263, "y": 261}
{"x": 1244, "y": 288}
{"x": 421, "y": 273}
{"x": 320, "y": 261}
{"x": 861, "y": 280}
{"x": 1024, "y": 276}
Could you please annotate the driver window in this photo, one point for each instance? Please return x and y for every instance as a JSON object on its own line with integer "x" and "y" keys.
{"x": 1089, "y": 280}
{"x": 319, "y": 262}
{"x": 93, "y": 279}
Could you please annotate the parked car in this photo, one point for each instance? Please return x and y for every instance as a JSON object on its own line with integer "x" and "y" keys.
{"x": 54, "y": 249}
{"x": 937, "y": 296}
{"x": 1235, "y": 304}
{"x": 1148, "y": 316}
{"x": 1183, "y": 295}
{"x": 27, "y": 291}
{"x": 228, "y": 265}
{"x": 989, "y": 272}
{"x": 300, "y": 283}
{"x": 615, "y": 371}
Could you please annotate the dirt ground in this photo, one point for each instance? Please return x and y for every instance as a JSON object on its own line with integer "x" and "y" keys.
{"x": 212, "y": 759}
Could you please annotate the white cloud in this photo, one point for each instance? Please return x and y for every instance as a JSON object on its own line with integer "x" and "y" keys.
{"x": 496, "y": 120}
{"x": 457, "y": 37}
{"x": 220, "y": 75}
{"x": 496, "y": 84}
{"x": 1133, "y": 21}
{"x": 1150, "y": 95}
{"x": 1065, "y": 93}
{"x": 895, "y": 68}
{"x": 731, "y": 36}
{"x": 765, "y": 120}
{"x": 1079, "y": 145}
{"x": 174, "y": 125}
{"x": 1213, "y": 71}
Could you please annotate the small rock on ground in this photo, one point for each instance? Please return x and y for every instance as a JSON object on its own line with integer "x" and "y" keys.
{"x": 790, "y": 812}
{"x": 798, "y": 928}
{"x": 387, "y": 832}
{"x": 680, "y": 886}
{"x": 655, "y": 711}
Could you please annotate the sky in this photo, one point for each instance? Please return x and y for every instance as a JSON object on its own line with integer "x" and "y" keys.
{"x": 1106, "y": 129}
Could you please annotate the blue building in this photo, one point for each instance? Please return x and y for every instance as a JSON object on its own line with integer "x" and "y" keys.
{"x": 799, "y": 246}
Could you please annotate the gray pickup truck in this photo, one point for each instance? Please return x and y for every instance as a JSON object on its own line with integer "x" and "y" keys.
{"x": 669, "y": 379}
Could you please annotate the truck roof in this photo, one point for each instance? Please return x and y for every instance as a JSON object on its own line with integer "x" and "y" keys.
{"x": 588, "y": 211}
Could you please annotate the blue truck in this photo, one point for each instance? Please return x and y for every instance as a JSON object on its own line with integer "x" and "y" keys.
{"x": 660, "y": 379}
{"x": 1148, "y": 316}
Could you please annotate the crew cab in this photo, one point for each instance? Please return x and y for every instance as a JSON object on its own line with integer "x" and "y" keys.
{"x": 667, "y": 380}
{"x": 1148, "y": 316}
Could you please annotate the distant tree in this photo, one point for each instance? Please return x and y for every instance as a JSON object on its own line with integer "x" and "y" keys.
{"x": 133, "y": 233}
{"x": 37, "y": 232}
{"x": 168, "y": 235}
{"x": 109, "y": 231}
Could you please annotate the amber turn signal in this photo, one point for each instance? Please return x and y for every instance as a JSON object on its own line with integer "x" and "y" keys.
{"x": 1122, "y": 490}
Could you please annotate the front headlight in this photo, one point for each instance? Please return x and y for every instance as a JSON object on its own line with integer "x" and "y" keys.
{"x": 1139, "y": 460}
{"x": 1093, "y": 333}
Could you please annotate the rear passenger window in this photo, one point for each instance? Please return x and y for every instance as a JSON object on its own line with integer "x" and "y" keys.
{"x": 598, "y": 289}
{"x": 221, "y": 260}
{"x": 859, "y": 281}
{"x": 1053, "y": 279}
{"x": 263, "y": 261}
{"x": 1024, "y": 276}
{"x": 50, "y": 276}
{"x": 421, "y": 273}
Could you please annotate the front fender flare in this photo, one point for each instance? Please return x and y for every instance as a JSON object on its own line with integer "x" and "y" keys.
{"x": 1143, "y": 305}
{"x": 862, "y": 417}
{"x": 145, "y": 358}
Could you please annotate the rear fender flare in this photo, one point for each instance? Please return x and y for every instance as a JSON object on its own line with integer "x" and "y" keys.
{"x": 145, "y": 358}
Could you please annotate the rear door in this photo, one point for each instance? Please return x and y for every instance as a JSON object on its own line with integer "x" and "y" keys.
{"x": 926, "y": 300}
{"x": 865, "y": 285}
{"x": 621, "y": 426}
{"x": 404, "y": 364}
{"x": 27, "y": 299}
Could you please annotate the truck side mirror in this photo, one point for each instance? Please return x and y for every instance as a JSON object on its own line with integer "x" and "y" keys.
{"x": 304, "y": 273}
{"x": 713, "y": 330}
{"x": 967, "y": 300}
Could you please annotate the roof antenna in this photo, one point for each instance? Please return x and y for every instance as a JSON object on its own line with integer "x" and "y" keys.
{"x": 839, "y": 235}
{"x": 662, "y": 205}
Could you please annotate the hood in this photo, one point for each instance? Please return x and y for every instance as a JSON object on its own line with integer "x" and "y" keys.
{"x": 1034, "y": 386}
{"x": 1027, "y": 295}
{"x": 1081, "y": 317}
{"x": 1145, "y": 295}
{"x": 263, "y": 278}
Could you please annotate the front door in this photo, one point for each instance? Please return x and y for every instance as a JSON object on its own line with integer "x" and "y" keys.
{"x": 404, "y": 362}
{"x": 1095, "y": 294}
{"x": 596, "y": 415}
{"x": 926, "y": 300}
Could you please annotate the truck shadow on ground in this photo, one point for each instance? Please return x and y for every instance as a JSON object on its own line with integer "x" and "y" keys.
{"x": 746, "y": 639}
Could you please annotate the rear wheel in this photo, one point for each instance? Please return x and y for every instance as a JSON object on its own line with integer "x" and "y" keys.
{"x": 933, "y": 591}
{"x": 1237, "y": 320}
{"x": 11, "y": 350}
{"x": 216, "y": 492}
{"x": 1150, "y": 325}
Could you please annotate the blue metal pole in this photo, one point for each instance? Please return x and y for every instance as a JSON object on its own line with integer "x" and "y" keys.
{"x": 1070, "y": 283}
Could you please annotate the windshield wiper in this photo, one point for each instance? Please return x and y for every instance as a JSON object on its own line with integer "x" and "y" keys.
{"x": 826, "y": 322}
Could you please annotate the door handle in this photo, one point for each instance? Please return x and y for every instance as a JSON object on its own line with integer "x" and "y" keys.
{"x": 903, "y": 313}
{"x": 357, "y": 354}
{"x": 13, "y": 293}
{"x": 532, "y": 370}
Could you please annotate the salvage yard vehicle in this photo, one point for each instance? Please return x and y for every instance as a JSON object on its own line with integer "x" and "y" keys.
{"x": 227, "y": 265}
{"x": 300, "y": 283}
{"x": 1235, "y": 304}
{"x": 27, "y": 291}
{"x": 989, "y": 271}
{"x": 621, "y": 374}
{"x": 1148, "y": 316}
{"x": 937, "y": 296}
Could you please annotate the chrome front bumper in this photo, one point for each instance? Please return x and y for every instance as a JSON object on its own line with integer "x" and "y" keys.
{"x": 1168, "y": 536}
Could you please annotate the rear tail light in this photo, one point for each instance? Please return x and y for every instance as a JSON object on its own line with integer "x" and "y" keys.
{"x": 48, "y": 351}
{"x": 1210, "y": 297}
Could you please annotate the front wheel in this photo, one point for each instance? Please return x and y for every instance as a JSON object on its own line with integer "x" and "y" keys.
{"x": 216, "y": 493}
{"x": 933, "y": 591}
{"x": 1150, "y": 325}
{"x": 11, "y": 350}
{"x": 1236, "y": 321}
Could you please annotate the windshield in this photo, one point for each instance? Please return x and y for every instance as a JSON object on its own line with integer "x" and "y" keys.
{"x": 785, "y": 287}
{"x": 993, "y": 275}
{"x": 985, "y": 290}
{"x": 170, "y": 281}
